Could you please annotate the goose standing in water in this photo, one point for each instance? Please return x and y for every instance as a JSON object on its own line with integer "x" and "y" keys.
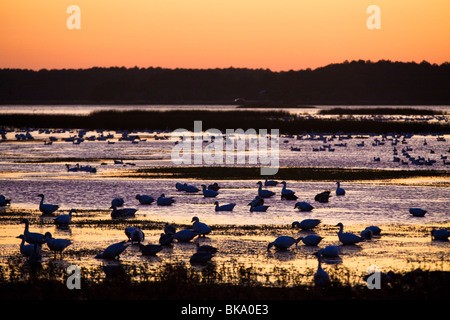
{"x": 113, "y": 251}
{"x": 150, "y": 249}
{"x": 441, "y": 234}
{"x": 347, "y": 237}
{"x": 258, "y": 201}
{"x": 303, "y": 206}
{"x": 264, "y": 193}
{"x": 63, "y": 220}
{"x": 46, "y": 208}
{"x": 200, "y": 257}
{"x": 306, "y": 224}
{"x": 144, "y": 199}
{"x": 417, "y": 212}
{"x": 287, "y": 194}
{"x": 123, "y": 213}
{"x": 283, "y": 243}
{"x": 330, "y": 251}
{"x": 200, "y": 227}
{"x": 311, "y": 240}
{"x": 209, "y": 193}
{"x": 322, "y": 197}
{"x": 28, "y": 249}
{"x": 258, "y": 208}
{"x": 321, "y": 277}
{"x": 190, "y": 189}
{"x": 270, "y": 183}
{"x": 56, "y": 245}
{"x": 164, "y": 201}
{"x": 339, "y": 191}
{"x": 376, "y": 231}
{"x": 134, "y": 234}
{"x": 32, "y": 237}
{"x": 225, "y": 207}
{"x": 185, "y": 235}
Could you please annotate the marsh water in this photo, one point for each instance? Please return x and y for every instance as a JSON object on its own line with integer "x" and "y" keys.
{"x": 30, "y": 167}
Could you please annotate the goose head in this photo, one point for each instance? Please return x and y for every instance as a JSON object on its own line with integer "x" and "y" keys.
{"x": 40, "y": 195}
{"x": 195, "y": 219}
{"x": 216, "y": 203}
{"x": 295, "y": 224}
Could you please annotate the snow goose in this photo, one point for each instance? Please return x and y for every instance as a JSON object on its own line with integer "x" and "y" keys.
{"x": 46, "y": 208}
{"x": 144, "y": 199}
{"x": 185, "y": 235}
{"x": 440, "y": 234}
{"x": 64, "y": 219}
{"x": 264, "y": 193}
{"x": 321, "y": 277}
{"x": 164, "y": 201}
{"x": 200, "y": 257}
{"x": 3, "y": 201}
{"x": 118, "y": 202}
{"x": 417, "y": 212}
{"x": 214, "y": 187}
{"x": 339, "y": 191}
{"x": 287, "y": 193}
{"x": 322, "y": 197}
{"x": 180, "y": 186}
{"x": 190, "y": 189}
{"x": 311, "y": 240}
{"x": 282, "y": 243}
{"x": 200, "y": 227}
{"x": 165, "y": 239}
{"x": 28, "y": 249}
{"x": 32, "y": 237}
{"x": 123, "y": 213}
{"x": 209, "y": 193}
{"x": 169, "y": 228}
{"x": 224, "y": 207}
{"x": 376, "y": 231}
{"x": 347, "y": 237}
{"x": 306, "y": 224}
{"x": 258, "y": 201}
{"x": 303, "y": 206}
{"x": 150, "y": 249}
{"x": 206, "y": 248}
{"x": 134, "y": 234}
{"x": 270, "y": 183}
{"x": 113, "y": 251}
{"x": 366, "y": 234}
{"x": 56, "y": 245}
{"x": 258, "y": 208}
{"x": 330, "y": 251}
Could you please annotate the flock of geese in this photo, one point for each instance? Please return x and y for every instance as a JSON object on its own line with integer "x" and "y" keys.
{"x": 204, "y": 253}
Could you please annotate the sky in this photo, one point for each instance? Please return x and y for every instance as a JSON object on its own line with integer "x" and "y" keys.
{"x": 269, "y": 34}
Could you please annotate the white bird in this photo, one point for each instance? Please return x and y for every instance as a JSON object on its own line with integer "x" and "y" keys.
{"x": 206, "y": 248}
{"x": 118, "y": 202}
{"x": 165, "y": 239}
{"x": 144, "y": 199}
{"x": 440, "y": 234}
{"x": 185, "y": 235}
{"x": 376, "y": 231}
{"x": 169, "y": 228}
{"x": 134, "y": 234}
{"x": 321, "y": 277}
{"x": 28, "y": 249}
{"x": 3, "y": 201}
{"x": 322, "y": 197}
{"x": 287, "y": 193}
{"x": 339, "y": 191}
{"x": 164, "y": 201}
{"x": 46, "y": 208}
{"x": 64, "y": 219}
{"x": 303, "y": 206}
{"x": 200, "y": 227}
{"x": 32, "y": 237}
{"x": 123, "y": 213}
{"x": 150, "y": 249}
{"x": 306, "y": 224}
{"x": 330, "y": 251}
{"x": 209, "y": 193}
{"x": 190, "y": 189}
{"x": 179, "y": 186}
{"x": 258, "y": 201}
{"x": 366, "y": 234}
{"x": 264, "y": 193}
{"x": 200, "y": 257}
{"x": 113, "y": 251}
{"x": 347, "y": 237}
{"x": 56, "y": 245}
{"x": 282, "y": 243}
{"x": 311, "y": 240}
{"x": 417, "y": 212}
{"x": 224, "y": 207}
{"x": 270, "y": 183}
{"x": 258, "y": 208}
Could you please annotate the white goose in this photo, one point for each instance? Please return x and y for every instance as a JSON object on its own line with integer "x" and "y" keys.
{"x": 224, "y": 207}
{"x": 46, "y": 208}
{"x": 28, "y": 249}
{"x": 64, "y": 219}
{"x": 56, "y": 245}
{"x": 303, "y": 206}
{"x": 164, "y": 201}
{"x": 123, "y": 213}
{"x": 264, "y": 193}
{"x": 113, "y": 251}
{"x": 287, "y": 193}
{"x": 209, "y": 193}
{"x": 270, "y": 183}
{"x": 282, "y": 243}
{"x": 185, "y": 235}
{"x": 440, "y": 234}
{"x": 259, "y": 208}
{"x": 347, "y": 237}
{"x": 32, "y": 237}
{"x": 190, "y": 189}
{"x": 200, "y": 227}
{"x": 306, "y": 224}
{"x": 311, "y": 240}
{"x": 321, "y": 277}
{"x": 144, "y": 199}
{"x": 331, "y": 251}
{"x": 417, "y": 212}
{"x": 134, "y": 234}
{"x": 339, "y": 191}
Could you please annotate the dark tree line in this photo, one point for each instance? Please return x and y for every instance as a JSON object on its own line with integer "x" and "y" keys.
{"x": 357, "y": 82}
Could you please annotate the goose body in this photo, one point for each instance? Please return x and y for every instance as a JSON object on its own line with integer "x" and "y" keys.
{"x": 303, "y": 206}
{"x": 311, "y": 240}
{"x": 339, "y": 191}
{"x": 190, "y": 189}
{"x": 56, "y": 245}
{"x": 206, "y": 248}
{"x": 165, "y": 239}
{"x": 321, "y": 277}
{"x": 224, "y": 207}
{"x": 259, "y": 208}
{"x": 134, "y": 234}
{"x": 376, "y": 231}
{"x": 264, "y": 193}
{"x": 164, "y": 201}
{"x": 64, "y": 219}
{"x": 46, "y": 208}
{"x": 150, "y": 249}
{"x": 169, "y": 228}
{"x": 113, "y": 251}
{"x": 330, "y": 251}
{"x": 214, "y": 187}
{"x": 306, "y": 224}
{"x": 286, "y": 192}
{"x": 200, "y": 257}
{"x": 270, "y": 183}
{"x": 28, "y": 249}
{"x": 322, "y": 197}
{"x": 179, "y": 186}
{"x": 417, "y": 212}
{"x": 144, "y": 199}
{"x": 200, "y": 227}
{"x": 440, "y": 234}
{"x": 347, "y": 237}
{"x": 123, "y": 213}
{"x": 185, "y": 235}
{"x": 32, "y": 237}
{"x": 282, "y": 243}
{"x": 3, "y": 201}
{"x": 209, "y": 193}
{"x": 258, "y": 201}
{"x": 118, "y": 202}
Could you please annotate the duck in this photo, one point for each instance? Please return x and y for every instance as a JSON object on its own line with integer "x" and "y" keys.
{"x": 113, "y": 251}
{"x": 164, "y": 201}
{"x": 150, "y": 249}
{"x": 145, "y": 199}
{"x": 123, "y": 213}
{"x": 56, "y": 245}
{"x": 224, "y": 207}
{"x": 259, "y": 208}
{"x": 282, "y": 243}
{"x": 191, "y": 189}
{"x": 32, "y": 237}
{"x": 209, "y": 193}
{"x": 134, "y": 234}
{"x": 322, "y": 197}
{"x": 321, "y": 277}
{"x": 118, "y": 202}
{"x": 311, "y": 240}
{"x": 440, "y": 234}
{"x": 263, "y": 193}
{"x": 287, "y": 194}
{"x": 258, "y": 201}
{"x": 347, "y": 237}
{"x": 303, "y": 206}
{"x": 306, "y": 224}
{"x": 46, "y": 208}
{"x": 185, "y": 235}
{"x": 339, "y": 191}
{"x": 417, "y": 212}
{"x": 64, "y": 219}
{"x": 200, "y": 257}
{"x": 200, "y": 227}
{"x": 270, "y": 183}
{"x": 206, "y": 248}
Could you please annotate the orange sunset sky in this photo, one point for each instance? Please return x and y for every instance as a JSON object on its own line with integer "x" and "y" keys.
{"x": 274, "y": 34}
